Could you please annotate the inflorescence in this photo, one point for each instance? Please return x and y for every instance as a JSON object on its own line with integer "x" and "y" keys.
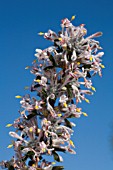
{"x": 63, "y": 74}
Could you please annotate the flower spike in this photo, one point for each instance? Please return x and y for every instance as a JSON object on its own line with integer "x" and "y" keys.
{"x": 63, "y": 78}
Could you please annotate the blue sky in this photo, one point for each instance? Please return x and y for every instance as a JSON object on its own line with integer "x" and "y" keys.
{"x": 20, "y": 21}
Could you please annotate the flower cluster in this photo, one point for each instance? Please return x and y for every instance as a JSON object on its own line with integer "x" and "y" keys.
{"x": 63, "y": 74}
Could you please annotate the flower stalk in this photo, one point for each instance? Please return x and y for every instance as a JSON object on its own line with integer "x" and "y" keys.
{"x": 63, "y": 78}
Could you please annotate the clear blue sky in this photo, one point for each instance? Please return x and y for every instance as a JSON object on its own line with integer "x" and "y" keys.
{"x": 20, "y": 21}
